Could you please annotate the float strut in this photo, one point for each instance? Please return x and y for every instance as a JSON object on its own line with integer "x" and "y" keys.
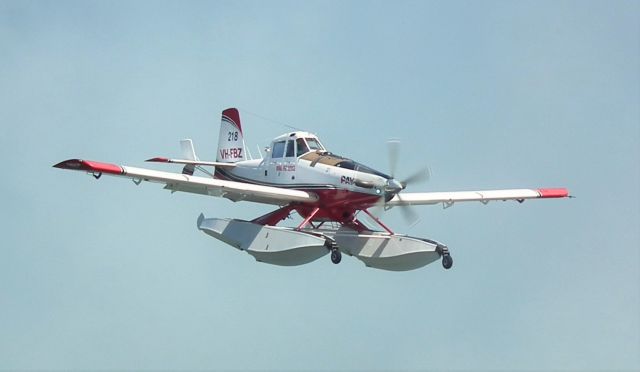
{"x": 378, "y": 221}
{"x": 274, "y": 217}
{"x": 309, "y": 217}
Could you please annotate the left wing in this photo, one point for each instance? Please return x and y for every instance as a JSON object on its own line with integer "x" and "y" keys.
{"x": 234, "y": 191}
{"x": 485, "y": 196}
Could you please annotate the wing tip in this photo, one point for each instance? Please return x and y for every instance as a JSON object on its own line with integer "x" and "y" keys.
{"x": 89, "y": 166}
{"x": 554, "y": 192}
{"x": 158, "y": 159}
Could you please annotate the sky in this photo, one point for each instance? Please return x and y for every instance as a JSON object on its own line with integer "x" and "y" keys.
{"x": 106, "y": 275}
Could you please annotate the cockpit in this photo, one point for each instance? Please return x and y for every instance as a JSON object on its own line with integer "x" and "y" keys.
{"x": 296, "y": 145}
{"x": 306, "y": 146}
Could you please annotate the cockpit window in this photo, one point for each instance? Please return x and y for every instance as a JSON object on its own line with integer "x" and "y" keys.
{"x": 302, "y": 147}
{"x": 314, "y": 144}
{"x": 278, "y": 149}
{"x": 290, "y": 148}
{"x": 336, "y": 160}
{"x": 350, "y": 164}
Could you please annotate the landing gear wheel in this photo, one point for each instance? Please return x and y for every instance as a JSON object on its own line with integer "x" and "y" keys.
{"x": 336, "y": 256}
{"x": 447, "y": 261}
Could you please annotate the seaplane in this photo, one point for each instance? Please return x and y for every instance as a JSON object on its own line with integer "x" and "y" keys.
{"x": 334, "y": 196}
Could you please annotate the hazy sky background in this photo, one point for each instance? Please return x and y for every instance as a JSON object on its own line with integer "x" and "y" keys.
{"x": 108, "y": 275}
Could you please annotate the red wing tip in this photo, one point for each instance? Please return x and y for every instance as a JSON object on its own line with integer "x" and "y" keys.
{"x": 158, "y": 160}
{"x": 553, "y": 193}
{"x": 89, "y": 166}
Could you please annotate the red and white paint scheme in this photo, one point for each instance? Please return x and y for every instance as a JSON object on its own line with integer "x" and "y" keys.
{"x": 329, "y": 192}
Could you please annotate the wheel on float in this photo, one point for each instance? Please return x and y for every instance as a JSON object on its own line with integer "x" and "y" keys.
{"x": 336, "y": 256}
{"x": 447, "y": 261}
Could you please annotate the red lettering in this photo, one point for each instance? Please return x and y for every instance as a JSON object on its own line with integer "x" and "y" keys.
{"x": 285, "y": 167}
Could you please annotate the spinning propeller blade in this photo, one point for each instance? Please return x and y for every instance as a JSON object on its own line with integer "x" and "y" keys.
{"x": 424, "y": 174}
{"x": 421, "y": 175}
{"x": 408, "y": 213}
{"x": 393, "y": 147}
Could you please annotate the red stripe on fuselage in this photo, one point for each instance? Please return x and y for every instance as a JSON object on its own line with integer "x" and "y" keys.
{"x": 334, "y": 203}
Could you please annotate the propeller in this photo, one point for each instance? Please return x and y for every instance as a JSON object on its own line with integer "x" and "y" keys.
{"x": 408, "y": 213}
{"x": 393, "y": 151}
{"x": 394, "y": 187}
{"x": 423, "y": 174}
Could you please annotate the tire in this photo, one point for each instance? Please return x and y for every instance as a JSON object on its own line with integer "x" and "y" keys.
{"x": 447, "y": 261}
{"x": 336, "y": 256}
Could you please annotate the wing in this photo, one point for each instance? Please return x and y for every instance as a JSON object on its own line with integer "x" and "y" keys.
{"x": 449, "y": 198}
{"x": 235, "y": 191}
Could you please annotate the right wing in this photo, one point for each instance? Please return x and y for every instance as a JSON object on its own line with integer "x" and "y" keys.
{"x": 449, "y": 198}
{"x": 235, "y": 191}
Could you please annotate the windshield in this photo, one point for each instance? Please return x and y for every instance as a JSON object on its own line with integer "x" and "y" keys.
{"x": 314, "y": 144}
{"x": 302, "y": 147}
{"x": 350, "y": 164}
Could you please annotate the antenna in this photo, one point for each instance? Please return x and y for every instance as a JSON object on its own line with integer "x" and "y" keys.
{"x": 295, "y": 128}
{"x": 249, "y": 153}
{"x": 245, "y": 111}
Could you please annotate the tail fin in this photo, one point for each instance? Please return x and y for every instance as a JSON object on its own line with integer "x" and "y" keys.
{"x": 231, "y": 141}
{"x": 188, "y": 153}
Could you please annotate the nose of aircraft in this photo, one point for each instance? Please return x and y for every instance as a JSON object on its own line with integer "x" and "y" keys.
{"x": 394, "y": 186}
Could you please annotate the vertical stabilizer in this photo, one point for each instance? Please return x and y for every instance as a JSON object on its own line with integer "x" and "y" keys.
{"x": 231, "y": 141}
{"x": 188, "y": 152}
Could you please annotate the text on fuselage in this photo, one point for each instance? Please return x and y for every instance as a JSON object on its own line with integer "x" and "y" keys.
{"x": 285, "y": 167}
{"x": 232, "y": 153}
{"x": 347, "y": 180}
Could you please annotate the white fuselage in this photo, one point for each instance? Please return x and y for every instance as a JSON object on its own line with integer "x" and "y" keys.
{"x": 309, "y": 169}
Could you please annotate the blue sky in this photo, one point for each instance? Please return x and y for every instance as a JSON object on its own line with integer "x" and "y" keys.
{"x": 107, "y": 275}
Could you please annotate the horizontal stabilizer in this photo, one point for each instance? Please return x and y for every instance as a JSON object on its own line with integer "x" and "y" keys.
{"x": 191, "y": 162}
